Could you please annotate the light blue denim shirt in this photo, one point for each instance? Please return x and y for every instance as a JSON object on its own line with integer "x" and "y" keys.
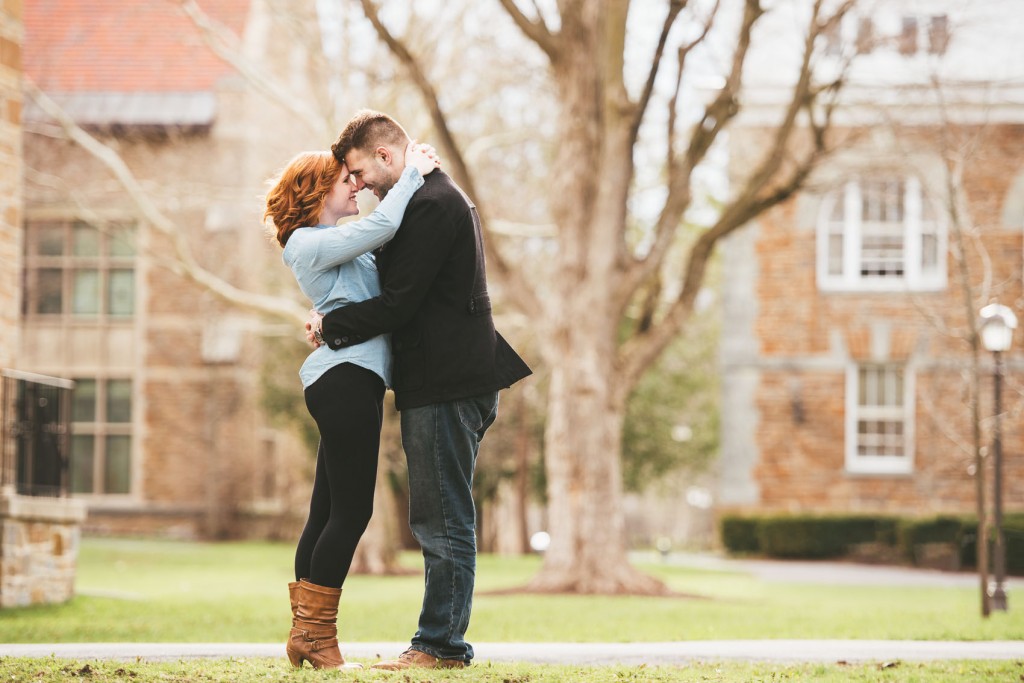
{"x": 333, "y": 268}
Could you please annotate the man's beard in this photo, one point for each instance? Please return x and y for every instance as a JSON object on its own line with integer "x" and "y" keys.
{"x": 384, "y": 187}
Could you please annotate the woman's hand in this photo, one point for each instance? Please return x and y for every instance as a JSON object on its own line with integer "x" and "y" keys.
{"x": 314, "y": 328}
{"x": 423, "y": 157}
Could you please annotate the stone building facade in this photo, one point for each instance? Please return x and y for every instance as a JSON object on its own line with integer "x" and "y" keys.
{"x": 846, "y": 360}
{"x": 38, "y": 536}
{"x": 170, "y": 436}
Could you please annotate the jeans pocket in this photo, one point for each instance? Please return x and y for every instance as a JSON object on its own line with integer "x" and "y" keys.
{"x": 477, "y": 413}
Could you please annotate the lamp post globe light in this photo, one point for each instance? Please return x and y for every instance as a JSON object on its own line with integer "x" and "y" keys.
{"x": 997, "y": 325}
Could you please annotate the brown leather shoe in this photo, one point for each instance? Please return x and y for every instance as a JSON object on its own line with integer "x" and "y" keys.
{"x": 414, "y": 658}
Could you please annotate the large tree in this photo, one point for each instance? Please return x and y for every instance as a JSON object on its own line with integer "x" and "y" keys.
{"x": 596, "y": 275}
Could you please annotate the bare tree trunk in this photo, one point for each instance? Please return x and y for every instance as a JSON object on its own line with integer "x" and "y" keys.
{"x": 979, "y": 481}
{"x": 522, "y": 481}
{"x": 583, "y": 458}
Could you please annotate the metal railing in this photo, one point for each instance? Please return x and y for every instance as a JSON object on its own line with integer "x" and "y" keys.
{"x": 35, "y": 438}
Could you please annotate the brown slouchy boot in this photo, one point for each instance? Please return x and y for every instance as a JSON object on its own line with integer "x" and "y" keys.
{"x": 293, "y": 597}
{"x": 314, "y": 634}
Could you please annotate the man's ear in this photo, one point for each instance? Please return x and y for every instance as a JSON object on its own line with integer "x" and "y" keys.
{"x": 384, "y": 154}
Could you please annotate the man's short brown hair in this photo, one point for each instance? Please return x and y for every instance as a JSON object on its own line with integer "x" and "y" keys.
{"x": 367, "y": 130}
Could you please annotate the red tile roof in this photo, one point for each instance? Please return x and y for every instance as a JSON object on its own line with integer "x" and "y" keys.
{"x": 124, "y": 45}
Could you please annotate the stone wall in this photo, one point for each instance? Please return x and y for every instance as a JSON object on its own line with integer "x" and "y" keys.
{"x": 10, "y": 178}
{"x": 39, "y": 539}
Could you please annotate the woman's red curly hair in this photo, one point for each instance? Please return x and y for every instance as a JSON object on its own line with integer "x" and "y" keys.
{"x": 297, "y": 198}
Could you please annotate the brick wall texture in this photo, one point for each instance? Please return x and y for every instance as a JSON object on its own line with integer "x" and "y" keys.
{"x": 10, "y": 179}
{"x": 800, "y": 399}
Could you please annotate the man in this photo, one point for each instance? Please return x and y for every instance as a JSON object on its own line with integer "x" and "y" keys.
{"x": 449, "y": 363}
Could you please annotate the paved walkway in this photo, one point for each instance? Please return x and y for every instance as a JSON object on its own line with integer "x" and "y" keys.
{"x": 570, "y": 653}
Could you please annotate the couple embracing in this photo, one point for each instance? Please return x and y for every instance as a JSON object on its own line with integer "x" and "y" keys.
{"x": 400, "y": 300}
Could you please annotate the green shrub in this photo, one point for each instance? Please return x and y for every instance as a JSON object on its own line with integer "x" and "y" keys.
{"x": 1013, "y": 532}
{"x": 942, "y": 529}
{"x": 739, "y": 534}
{"x": 800, "y": 537}
{"x": 969, "y": 543}
{"x": 831, "y": 536}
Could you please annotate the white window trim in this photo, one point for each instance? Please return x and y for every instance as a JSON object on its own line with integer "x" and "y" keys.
{"x": 849, "y": 280}
{"x": 869, "y": 464}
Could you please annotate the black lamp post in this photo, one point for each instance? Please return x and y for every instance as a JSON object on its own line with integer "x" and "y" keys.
{"x": 997, "y": 325}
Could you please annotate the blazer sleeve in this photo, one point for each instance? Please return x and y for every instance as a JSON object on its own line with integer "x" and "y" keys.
{"x": 330, "y": 247}
{"x": 417, "y": 254}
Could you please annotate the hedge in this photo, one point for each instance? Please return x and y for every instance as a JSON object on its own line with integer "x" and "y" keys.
{"x": 836, "y": 536}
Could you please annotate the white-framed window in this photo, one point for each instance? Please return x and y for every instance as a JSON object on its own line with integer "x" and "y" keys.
{"x": 880, "y": 234}
{"x": 79, "y": 270}
{"x": 101, "y": 436}
{"x": 880, "y": 418}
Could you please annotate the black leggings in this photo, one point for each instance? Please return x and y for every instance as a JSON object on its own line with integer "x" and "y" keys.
{"x": 347, "y": 405}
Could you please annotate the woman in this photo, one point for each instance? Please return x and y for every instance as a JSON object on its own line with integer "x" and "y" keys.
{"x": 344, "y": 390}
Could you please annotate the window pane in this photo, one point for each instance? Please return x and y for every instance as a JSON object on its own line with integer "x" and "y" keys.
{"x": 86, "y": 240}
{"x": 122, "y": 240}
{"x": 908, "y": 37}
{"x": 835, "y": 254}
{"x": 938, "y": 34}
{"x": 117, "y": 473}
{"x": 882, "y": 229}
{"x": 49, "y": 296}
{"x": 119, "y": 400}
{"x": 83, "y": 406}
{"x": 49, "y": 239}
{"x": 85, "y": 298}
{"x": 929, "y": 253}
{"x": 838, "y": 213}
{"x": 865, "y": 35}
{"x": 82, "y": 456}
{"x": 880, "y": 423}
{"x": 121, "y": 294}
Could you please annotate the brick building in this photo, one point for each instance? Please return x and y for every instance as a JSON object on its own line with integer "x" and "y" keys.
{"x": 169, "y": 436}
{"x": 10, "y": 178}
{"x": 845, "y": 360}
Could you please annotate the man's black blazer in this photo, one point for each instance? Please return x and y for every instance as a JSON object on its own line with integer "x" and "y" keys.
{"x": 434, "y": 303}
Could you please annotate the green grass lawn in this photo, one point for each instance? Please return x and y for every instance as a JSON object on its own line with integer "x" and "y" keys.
{"x": 269, "y": 671}
{"x": 178, "y": 592}
{"x": 150, "y": 591}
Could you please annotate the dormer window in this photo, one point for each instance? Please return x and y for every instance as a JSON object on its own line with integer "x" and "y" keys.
{"x": 938, "y": 34}
{"x": 908, "y": 35}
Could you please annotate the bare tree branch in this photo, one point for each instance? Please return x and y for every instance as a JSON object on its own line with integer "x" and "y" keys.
{"x": 675, "y": 8}
{"x": 517, "y": 288}
{"x": 452, "y": 151}
{"x": 536, "y": 30}
{"x": 680, "y": 168}
{"x": 757, "y": 196}
{"x": 225, "y": 44}
{"x": 185, "y": 263}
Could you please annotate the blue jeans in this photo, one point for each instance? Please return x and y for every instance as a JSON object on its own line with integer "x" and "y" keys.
{"x": 441, "y": 442}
